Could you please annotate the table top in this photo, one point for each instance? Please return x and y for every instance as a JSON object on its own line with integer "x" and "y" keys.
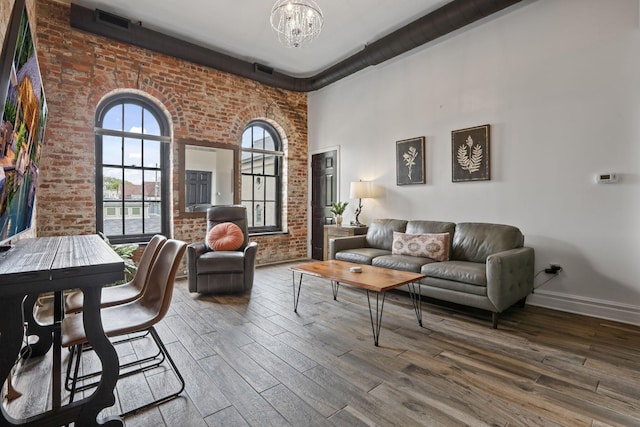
{"x": 61, "y": 262}
{"x": 372, "y": 278}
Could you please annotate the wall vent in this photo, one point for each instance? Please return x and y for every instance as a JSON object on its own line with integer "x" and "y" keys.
{"x": 262, "y": 68}
{"x": 111, "y": 19}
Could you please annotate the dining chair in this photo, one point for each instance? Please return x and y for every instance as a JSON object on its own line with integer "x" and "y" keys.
{"x": 122, "y": 294}
{"x": 136, "y": 316}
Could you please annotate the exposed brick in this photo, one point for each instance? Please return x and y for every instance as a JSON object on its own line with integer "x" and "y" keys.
{"x": 204, "y": 104}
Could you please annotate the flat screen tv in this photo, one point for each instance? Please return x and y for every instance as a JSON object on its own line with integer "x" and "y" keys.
{"x": 23, "y": 114}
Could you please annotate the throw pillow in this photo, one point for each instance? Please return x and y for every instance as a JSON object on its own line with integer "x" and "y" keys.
{"x": 434, "y": 246}
{"x": 225, "y": 236}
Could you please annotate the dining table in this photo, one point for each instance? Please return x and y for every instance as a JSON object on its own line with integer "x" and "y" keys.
{"x": 32, "y": 267}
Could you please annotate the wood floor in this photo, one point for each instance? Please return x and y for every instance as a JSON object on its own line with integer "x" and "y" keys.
{"x": 250, "y": 360}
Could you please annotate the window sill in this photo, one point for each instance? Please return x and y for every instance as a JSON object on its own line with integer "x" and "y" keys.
{"x": 268, "y": 233}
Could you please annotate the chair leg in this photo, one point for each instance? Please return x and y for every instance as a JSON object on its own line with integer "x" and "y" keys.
{"x": 170, "y": 396}
{"x": 156, "y": 362}
{"x": 74, "y": 383}
{"x": 77, "y": 353}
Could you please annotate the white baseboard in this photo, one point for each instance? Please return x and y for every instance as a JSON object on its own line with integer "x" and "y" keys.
{"x": 602, "y": 309}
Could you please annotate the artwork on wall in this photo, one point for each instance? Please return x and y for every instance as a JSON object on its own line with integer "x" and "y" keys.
{"x": 410, "y": 161}
{"x": 23, "y": 115}
{"x": 470, "y": 154}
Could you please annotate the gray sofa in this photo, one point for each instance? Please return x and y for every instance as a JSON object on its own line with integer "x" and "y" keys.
{"x": 488, "y": 267}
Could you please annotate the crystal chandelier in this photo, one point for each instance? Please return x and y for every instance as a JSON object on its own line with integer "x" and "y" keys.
{"x": 297, "y": 22}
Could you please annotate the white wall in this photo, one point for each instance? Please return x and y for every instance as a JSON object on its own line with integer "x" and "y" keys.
{"x": 559, "y": 82}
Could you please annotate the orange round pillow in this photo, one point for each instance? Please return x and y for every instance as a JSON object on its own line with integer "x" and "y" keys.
{"x": 225, "y": 236}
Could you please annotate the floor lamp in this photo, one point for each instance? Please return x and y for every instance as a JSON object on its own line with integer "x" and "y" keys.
{"x": 361, "y": 190}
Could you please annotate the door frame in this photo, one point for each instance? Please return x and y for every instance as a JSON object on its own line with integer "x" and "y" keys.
{"x": 335, "y": 148}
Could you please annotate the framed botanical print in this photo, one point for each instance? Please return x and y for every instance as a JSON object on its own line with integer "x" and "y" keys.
{"x": 470, "y": 154}
{"x": 410, "y": 161}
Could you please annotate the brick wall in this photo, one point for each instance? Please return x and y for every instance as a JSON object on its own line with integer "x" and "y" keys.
{"x": 79, "y": 69}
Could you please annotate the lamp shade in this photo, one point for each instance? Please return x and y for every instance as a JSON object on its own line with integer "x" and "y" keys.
{"x": 361, "y": 190}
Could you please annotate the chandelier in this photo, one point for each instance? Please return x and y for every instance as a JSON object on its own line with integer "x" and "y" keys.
{"x": 297, "y": 22}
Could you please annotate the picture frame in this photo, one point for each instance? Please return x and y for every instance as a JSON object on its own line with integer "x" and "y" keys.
{"x": 410, "y": 161}
{"x": 470, "y": 155}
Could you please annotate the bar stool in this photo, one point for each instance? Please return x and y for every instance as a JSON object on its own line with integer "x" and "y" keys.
{"x": 136, "y": 316}
{"x": 121, "y": 294}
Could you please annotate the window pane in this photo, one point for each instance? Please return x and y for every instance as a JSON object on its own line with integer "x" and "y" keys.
{"x": 246, "y": 189}
{"x": 258, "y": 137}
{"x": 151, "y": 154}
{"x": 132, "y": 152}
{"x": 246, "y": 162}
{"x": 248, "y": 207}
{"x": 113, "y": 118}
{"x": 269, "y": 144}
{"x": 132, "y": 184}
{"x": 257, "y": 164}
{"x": 112, "y": 214}
{"x": 258, "y": 214}
{"x": 151, "y": 125}
{"x": 133, "y": 217}
{"x": 258, "y": 188}
{"x": 246, "y": 138}
{"x": 152, "y": 185}
{"x": 112, "y": 183}
{"x": 132, "y": 118}
{"x": 153, "y": 219}
{"x": 270, "y": 214}
{"x": 112, "y": 150}
{"x": 269, "y": 164}
{"x": 271, "y": 188}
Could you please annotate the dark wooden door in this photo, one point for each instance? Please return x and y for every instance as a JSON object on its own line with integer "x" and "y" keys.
{"x": 324, "y": 189}
{"x": 198, "y": 187}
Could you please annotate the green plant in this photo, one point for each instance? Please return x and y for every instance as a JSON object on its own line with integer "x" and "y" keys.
{"x": 337, "y": 208}
{"x": 126, "y": 253}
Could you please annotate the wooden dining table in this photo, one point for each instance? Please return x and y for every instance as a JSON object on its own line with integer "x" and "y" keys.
{"x": 52, "y": 265}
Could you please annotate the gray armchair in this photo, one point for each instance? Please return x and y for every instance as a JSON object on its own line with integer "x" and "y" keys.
{"x": 222, "y": 271}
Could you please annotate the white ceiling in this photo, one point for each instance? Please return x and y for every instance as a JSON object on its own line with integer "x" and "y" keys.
{"x": 241, "y": 28}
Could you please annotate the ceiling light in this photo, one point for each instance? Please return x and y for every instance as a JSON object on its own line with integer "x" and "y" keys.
{"x": 297, "y": 22}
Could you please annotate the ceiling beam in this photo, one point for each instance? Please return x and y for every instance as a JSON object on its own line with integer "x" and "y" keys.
{"x": 444, "y": 20}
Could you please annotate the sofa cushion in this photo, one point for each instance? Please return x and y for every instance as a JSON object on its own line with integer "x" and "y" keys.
{"x": 361, "y": 255}
{"x": 380, "y": 232}
{"x": 401, "y": 262}
{"x": 452, "y": 287}
{"x": 434, "y": 246}
{"x": 225, "y": 262}
{"x": 430, "y": 227}
{"x": 473, "y": 273}
{"x": 476, "y": 241}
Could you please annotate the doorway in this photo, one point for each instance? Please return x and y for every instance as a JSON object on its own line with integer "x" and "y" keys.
{"x": 324, "y": 188}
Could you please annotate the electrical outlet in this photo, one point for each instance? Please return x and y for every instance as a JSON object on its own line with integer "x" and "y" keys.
{"x": 553, "y": 269}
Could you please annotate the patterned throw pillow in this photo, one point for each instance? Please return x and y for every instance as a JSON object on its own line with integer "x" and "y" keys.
{"x": 434, "y": 246}
{"x": 225, "y": 236}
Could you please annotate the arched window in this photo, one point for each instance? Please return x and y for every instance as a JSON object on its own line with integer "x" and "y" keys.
{"x": 132, "y": 169}
{"x": 262, "y": 158}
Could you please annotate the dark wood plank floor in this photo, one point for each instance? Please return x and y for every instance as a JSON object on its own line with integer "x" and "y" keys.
{"x": 250, "y": 360}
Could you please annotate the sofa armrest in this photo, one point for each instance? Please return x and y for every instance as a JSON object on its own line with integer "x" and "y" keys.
{"x": 194, "y": 251}
{"x": 509, "y": 276}
{"x": 343, "y": 243}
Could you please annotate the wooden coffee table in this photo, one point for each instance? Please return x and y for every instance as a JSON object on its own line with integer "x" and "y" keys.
{"x": 371, "y": 279}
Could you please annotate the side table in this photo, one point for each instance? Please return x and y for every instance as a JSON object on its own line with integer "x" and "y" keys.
{"x": 333, "y": 231}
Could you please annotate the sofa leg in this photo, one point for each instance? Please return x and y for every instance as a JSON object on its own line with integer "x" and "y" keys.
{"x": 494, "y": 319}
{"x": 522, "y": 302}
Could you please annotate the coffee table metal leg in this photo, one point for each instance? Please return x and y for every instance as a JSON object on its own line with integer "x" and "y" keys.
{"x": 375, "y": 323}
{"x": 296, "y": 296}
{"x": 335, "y": 285}
{"x": 416, "y": 300}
